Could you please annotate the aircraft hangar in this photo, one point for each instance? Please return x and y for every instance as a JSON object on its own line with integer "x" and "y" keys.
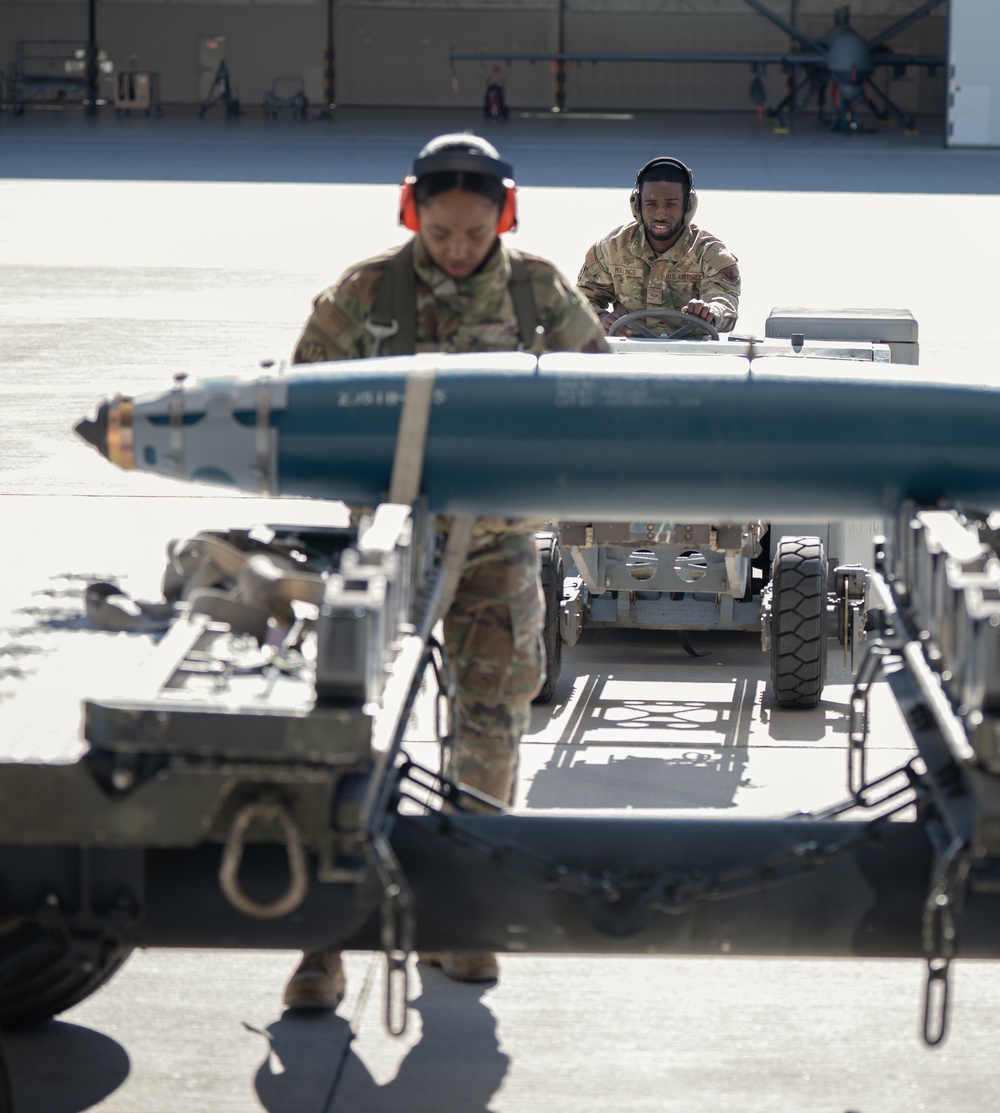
{"x": 401, "y": 52}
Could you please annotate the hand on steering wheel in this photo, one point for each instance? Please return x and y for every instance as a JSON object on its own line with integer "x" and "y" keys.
{"x": 688, "y": 321}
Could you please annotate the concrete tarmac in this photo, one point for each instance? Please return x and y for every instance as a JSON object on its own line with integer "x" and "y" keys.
{"x": 130, "y": 249}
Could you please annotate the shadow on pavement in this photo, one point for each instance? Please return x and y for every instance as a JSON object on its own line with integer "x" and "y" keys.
{"x": 456, "y": 1064}
{"x": 703, "y": 778}
{"x": 703, "y": 741}
{"x": 63, "y": 1068}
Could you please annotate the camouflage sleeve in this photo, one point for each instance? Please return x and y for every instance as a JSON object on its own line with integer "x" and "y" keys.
{"x": 594, "y": 280}
{"x": 720, "y": 287}
{"x": 336, "y": 326}
{"x": 570, "y": 323}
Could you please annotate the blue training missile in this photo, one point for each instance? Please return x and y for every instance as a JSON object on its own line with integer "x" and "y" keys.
{"x": 576, "y": 437}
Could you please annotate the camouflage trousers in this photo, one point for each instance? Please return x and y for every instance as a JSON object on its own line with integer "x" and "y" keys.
{"x": 493, "y": 636}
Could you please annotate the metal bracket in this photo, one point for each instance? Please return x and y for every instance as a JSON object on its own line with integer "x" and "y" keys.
{"x": 380, "y": 332}
{"x": 175, "y": 407}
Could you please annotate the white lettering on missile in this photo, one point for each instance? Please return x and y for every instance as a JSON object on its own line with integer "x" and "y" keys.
{"x": 349, "y": 399}
{"x": 352, "y": 398}
{"x": 578, "y": 395}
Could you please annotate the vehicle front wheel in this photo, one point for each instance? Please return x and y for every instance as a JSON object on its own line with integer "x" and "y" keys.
{"x": 799, "y": 577}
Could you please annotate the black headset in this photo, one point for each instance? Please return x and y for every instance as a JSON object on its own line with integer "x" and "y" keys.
{"x": 664, "y": 161}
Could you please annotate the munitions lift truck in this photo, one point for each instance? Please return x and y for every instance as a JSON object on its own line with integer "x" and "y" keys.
{"x": 798, "y": 583}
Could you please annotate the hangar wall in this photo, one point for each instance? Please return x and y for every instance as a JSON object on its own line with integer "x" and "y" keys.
{"x": 395, "y": 52}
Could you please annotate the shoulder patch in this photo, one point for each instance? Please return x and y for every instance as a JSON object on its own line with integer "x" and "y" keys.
{"x": 330, "y": 316}
{"x": 310, "y": 351}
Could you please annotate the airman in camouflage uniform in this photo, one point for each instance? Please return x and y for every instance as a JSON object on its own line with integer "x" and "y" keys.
{"x": 462, "y": 283}
{"x": 473, "y": 314}
{"x": 661, "y": 259}
{"x": 498, "y": 669}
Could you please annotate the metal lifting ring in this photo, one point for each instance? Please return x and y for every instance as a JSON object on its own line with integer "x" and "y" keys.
{"x": 271, "y": 814}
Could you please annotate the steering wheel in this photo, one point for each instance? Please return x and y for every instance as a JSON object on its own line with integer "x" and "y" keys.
{"x": 688, "y": 321}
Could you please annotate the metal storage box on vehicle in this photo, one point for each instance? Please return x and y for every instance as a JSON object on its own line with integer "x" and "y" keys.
{"x": 895, "y": 327}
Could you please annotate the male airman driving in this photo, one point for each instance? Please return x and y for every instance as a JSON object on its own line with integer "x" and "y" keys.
{"x": 661, "y": 260}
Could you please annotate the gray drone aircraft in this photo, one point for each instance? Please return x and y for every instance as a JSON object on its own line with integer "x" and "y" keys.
{"x": 842, "y": 64}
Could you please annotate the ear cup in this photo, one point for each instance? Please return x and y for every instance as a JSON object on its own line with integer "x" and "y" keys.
{"x": 408, "y": 216}
{"x": 677, "y": 164}
{"x": 633, "y": 202}
{"x": 508, "y": 214}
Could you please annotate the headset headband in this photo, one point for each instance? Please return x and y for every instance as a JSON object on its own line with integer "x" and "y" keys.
{"x": 666, "y": 161}
{"x": 459, "y": 154}
{"x": 463, "y": 157}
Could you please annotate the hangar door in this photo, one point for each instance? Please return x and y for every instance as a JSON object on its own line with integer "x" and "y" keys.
{"x": 973, "y": 78}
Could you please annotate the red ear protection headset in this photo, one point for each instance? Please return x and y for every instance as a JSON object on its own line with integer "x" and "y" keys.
{"x": 459, "y": 154}
{"x": 676, "y": 163}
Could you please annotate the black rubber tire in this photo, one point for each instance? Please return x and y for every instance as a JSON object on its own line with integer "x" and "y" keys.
{"x": 553, "y": 572}
{"x": 799, "y": 577}
{"x": 42, "y": 974}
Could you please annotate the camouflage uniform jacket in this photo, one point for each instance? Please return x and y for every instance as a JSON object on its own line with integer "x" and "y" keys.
{"x": 474, "y": 314}
{"x": 623, "y": 270}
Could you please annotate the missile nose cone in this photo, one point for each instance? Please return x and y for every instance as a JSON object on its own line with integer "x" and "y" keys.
{"x": 110, "y": 432}
{"x": 95, "y": 432}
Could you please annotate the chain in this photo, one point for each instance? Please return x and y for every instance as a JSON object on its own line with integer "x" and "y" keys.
{"x": 398, "y": 932}
{"x": 620, "y": 902}
{"x": 868, "y": 672}
{"x": 444, "y": 706}
{"x": 944, "y": 899}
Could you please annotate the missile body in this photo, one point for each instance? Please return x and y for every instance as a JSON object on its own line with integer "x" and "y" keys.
{"x": 576, "y": 436}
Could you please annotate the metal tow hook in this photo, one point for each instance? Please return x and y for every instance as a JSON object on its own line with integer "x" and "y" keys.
{"x": 271, "y": 814}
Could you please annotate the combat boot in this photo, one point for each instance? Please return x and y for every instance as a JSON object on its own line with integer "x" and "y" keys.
{"x": 318, "y": 982}
{"x": 464, "y": 966}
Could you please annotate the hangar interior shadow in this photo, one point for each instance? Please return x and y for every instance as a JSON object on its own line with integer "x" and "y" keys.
{"x": 730, "y": 151}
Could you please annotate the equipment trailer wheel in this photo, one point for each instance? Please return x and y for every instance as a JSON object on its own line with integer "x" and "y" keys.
{"x": 44, "y": 972}
{"x": 798, "y": 621}
{"x": 553, "y": 572}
